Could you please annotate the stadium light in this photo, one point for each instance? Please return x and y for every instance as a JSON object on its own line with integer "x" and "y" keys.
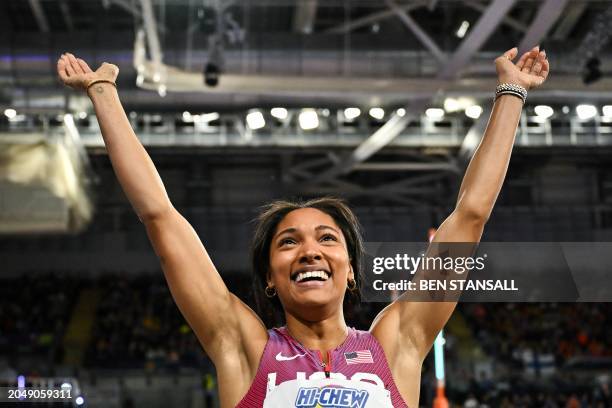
{"x": 585, "y": 112}
{"x": 377, "y": 113}
{"x": 434, "y": 113}
{"x": 607, "y": 110}
{"x": 279, "y": 113}
{"x": 10, "y": 113}
{"x": 352, "y": 113}
{"x": 544, "y": 111}
{"x": 79, "y": 400}
{"x": 463, "y": 29}
{"x": 401, "y": 112}
{"x": 308, "y": 119}
{"x": 473, "y": 111}
{"x": 255, "y": 120}
{"x": 208, "y": 117}
{"x": 187, "y": 116}
{"x": 451, "y": 105}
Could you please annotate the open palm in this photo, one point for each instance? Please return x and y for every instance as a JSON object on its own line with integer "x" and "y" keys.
{"x": 530, "y": 71}
{"x": 75, "y": 73}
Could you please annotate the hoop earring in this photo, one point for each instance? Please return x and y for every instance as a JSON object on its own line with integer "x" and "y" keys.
{"x": 270, "y": 292}
{"x": 352, "y": 285}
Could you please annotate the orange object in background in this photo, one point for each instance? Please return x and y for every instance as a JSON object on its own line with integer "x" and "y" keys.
{"x": 440, "y": 401}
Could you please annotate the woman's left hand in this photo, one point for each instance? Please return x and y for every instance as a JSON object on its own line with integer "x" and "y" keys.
{"x": 530, "y": 71}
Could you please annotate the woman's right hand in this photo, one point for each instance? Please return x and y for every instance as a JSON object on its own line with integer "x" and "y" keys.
{"x": 75, "y": 73}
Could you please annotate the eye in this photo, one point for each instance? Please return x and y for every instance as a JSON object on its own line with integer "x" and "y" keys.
{"x": 286, "y": 241}
{"x": 328, "y": 237}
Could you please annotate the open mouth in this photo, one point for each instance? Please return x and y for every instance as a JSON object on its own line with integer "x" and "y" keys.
{"x": 308, "y": 276}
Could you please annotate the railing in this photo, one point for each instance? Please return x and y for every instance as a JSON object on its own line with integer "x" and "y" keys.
{"x": 170, "y": 130}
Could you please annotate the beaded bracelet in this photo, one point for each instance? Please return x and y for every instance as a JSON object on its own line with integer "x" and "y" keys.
{"x": 511, "y": 89}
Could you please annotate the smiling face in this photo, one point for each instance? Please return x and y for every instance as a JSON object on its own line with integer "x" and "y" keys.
{"x": 309, "y": 263}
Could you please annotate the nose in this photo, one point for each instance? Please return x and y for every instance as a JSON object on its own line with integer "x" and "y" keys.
{"x": 310, "y": 253}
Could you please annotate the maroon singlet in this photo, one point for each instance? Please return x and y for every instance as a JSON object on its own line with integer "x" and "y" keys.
{"x": 290, "y": 375}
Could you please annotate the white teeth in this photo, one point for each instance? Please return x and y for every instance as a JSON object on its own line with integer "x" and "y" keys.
{"x": 312, "y": 274}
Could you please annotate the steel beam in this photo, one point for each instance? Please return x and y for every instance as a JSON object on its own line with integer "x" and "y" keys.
{"x": 407, "y": 166}
{"x": 372, "y": 18}
{"x": 548, "y": 13}
{"x": 508, "y": 20}
{"x": 63, "y": 5}
{"x": 374, "y": 143}
{"x": 573, "y": 12}
{"x": 425, "y": 39}
{"x": 304, "y": 16}
{"x": 389, "y": 191}
{"x": 130, "y": 8}
{"x": 487, "y": 23}
{"x": 39, "y": 15}
{"x": 152, "y": 36}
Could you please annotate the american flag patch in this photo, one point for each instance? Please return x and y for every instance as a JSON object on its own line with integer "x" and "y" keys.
{"x": 359, "y": 357}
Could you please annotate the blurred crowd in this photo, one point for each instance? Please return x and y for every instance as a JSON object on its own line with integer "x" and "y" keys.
{"x": 541, "y": 337}
{"x": 34, "y": 311}
{"x": 564, "y": 390}
{"x": 137, "y": 323}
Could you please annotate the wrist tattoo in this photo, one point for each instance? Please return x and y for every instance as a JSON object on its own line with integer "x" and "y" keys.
{"x": 99, "y": 89}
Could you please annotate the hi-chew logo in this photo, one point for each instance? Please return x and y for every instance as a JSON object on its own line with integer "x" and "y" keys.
{"x": 331, "y": 397}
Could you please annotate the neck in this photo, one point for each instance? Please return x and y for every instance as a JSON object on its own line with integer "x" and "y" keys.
{"x": 323, "y": 335}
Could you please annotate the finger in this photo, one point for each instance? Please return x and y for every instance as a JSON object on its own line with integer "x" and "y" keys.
{"x": 528, "y": 65}
{"x": 541, "y": 76}
{"x": 61, "y": 70}
{"x": 68, "y": 66}
{"x": 84, "y": 66}
{"x": 545, "y": 70}
{"x": 511, "y": 53}
{"x": 521, "y": 62}
{"x": 530, "y": 59}
{"x": 74, "y": 64}
{"x": 541, "y": 60}
{"x": 537, "y": 68}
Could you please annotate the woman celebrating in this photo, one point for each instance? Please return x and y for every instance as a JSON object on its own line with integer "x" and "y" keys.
{"x": 306, "y": 256}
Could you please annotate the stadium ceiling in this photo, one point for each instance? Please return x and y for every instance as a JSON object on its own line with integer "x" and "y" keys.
{"x": 298, "y": 53}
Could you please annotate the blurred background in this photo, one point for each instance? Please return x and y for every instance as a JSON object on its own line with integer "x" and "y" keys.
{"x": 242, "y": 102}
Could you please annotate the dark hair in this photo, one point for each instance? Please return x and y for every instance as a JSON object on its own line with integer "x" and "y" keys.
{"x": 273, "y": 213}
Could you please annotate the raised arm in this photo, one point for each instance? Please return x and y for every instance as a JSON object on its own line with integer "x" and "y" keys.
{"x": 224, "y": 325}
{"x": 413, "y": 326}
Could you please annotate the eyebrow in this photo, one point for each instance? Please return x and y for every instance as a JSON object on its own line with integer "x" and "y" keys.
{"x": 318, "y": 228}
